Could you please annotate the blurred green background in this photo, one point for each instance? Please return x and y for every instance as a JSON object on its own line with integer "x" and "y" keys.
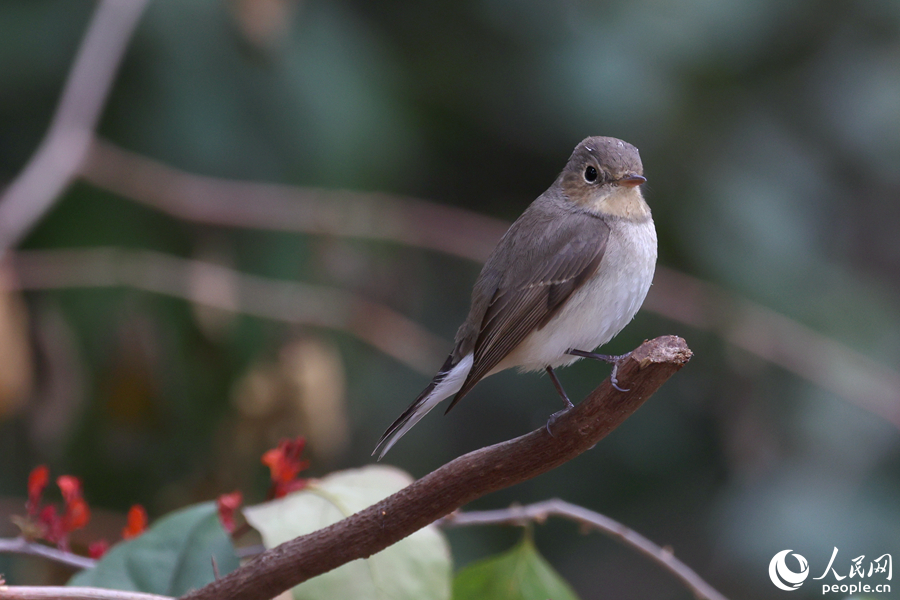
{"x": 770, "y": 135}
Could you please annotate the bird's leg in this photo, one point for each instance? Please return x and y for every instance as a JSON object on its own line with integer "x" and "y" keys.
{"x": 607, "y": 358}
{"x": 562, "y": 394}
{"x": 559, "y": 388}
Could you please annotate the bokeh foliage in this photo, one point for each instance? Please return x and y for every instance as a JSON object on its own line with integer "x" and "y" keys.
{"x": 770, "y": 134}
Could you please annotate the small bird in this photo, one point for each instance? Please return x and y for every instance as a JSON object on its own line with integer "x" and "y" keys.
{"x": 566, "y": 277}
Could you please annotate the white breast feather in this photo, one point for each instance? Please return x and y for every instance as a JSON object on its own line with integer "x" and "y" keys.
{"x": 601, "y": 308}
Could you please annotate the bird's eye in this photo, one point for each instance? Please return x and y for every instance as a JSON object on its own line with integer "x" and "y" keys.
{"x": 590, "y": 174}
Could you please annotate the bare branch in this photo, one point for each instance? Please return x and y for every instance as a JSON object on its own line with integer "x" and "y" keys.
{"x": 20, "y": 545}
{"x": 15, "y": 592}
{"x": 274, "y": 207}
{"x": 68, "y": 138}
{"x": 456, "y": 483}
{"x": 539, "y": 511}
{"x": 223, "y": 288}
{"x": 782, "y": 341}
{"x": 767, "y": 334}
{"x": 516, "y": 515}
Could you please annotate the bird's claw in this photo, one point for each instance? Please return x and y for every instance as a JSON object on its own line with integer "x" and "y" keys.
{"x": 555, "y": 416}
{"x": 607, "y": 358}
{"x": 612, "y": 376}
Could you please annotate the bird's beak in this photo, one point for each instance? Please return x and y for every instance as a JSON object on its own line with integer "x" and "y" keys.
{"x": 631, "y": 180}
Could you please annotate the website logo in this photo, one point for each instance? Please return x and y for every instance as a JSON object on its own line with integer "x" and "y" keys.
{"x": 782, "y": 576}
{"x": 858, "y": 578}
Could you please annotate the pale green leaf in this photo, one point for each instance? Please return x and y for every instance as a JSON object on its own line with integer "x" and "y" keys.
{"x": 418, "y": 567}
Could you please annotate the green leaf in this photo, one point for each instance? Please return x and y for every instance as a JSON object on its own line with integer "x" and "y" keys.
{"x": 418, "y": 567}
{"x": 172, "y": 557}
{"x": 520, "y": 574}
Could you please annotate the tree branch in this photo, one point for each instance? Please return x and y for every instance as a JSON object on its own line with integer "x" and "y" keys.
{"x": 456, "y": 483}
{"x": 273, "y": 207}
{"x": 22, "y": 592}
{"x": 782, "y": 341}
{"x": 516, "y": 515}
{"x": 56, "y": 161}
{"x": 227, "y": 289}
{"x": 20, "y": 545}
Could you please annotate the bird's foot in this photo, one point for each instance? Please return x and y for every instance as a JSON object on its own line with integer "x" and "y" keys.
{"x": 607, "y": 358}
{"x": 555, "y": 416}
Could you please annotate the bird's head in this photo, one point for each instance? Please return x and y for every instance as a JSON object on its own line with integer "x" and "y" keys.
{"x": 604, "y": 176}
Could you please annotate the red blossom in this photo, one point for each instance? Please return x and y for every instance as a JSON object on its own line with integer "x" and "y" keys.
{"x": 45, "y": 522}
{"x": 77, "y": 513}
{"x": 70, "y": 487}
{"x": 51, "y": 525}
{"x": 76, "y": 516}
{"x": 98, "y": 549}
{"x": 285, "y": 464}
{"x": 137, "y": 522}
{"x": 227, "y": 505}
{"x": 37, "y": 481}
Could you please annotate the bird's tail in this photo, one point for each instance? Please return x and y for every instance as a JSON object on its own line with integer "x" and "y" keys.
{"x": 446, "y": 383}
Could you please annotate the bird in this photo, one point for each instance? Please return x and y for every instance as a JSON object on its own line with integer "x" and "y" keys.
{"x": 567, "y": 276}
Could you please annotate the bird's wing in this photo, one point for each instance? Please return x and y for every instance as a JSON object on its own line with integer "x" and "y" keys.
{"x": 534, "y": 288}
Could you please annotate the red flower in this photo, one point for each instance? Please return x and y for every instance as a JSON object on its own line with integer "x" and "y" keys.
{"x": 227, "y": 505}
{"x": 137, "y": 522}
{"x": 98, "y": 549}
{"x": 70, "y": 487}
{"x": 284, "y": 465}
{"x": 46, "y": 522}
{"x": 284, "y": 461}
{"x": 77, "y": 513}
{"x": 76, "y": 516}
{"x": 37, "y": 481}
{"x": 51, "y": 525}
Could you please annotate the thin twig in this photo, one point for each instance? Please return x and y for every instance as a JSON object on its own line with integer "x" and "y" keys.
{"x": 20, "y": 545}
{"x": 16, "y": 592}
{"x": 764, "y": 333}
{"x": 458, "y": 482}
{"x": 55, "y": 163}
{"x": 539, "y": 511}
{"x": 223, "y": 288}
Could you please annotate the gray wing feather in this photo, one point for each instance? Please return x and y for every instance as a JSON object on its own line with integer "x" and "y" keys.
{"x": 532, "y": 288}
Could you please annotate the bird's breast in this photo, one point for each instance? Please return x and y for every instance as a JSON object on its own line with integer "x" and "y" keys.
{"x": 599, "y": 310}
